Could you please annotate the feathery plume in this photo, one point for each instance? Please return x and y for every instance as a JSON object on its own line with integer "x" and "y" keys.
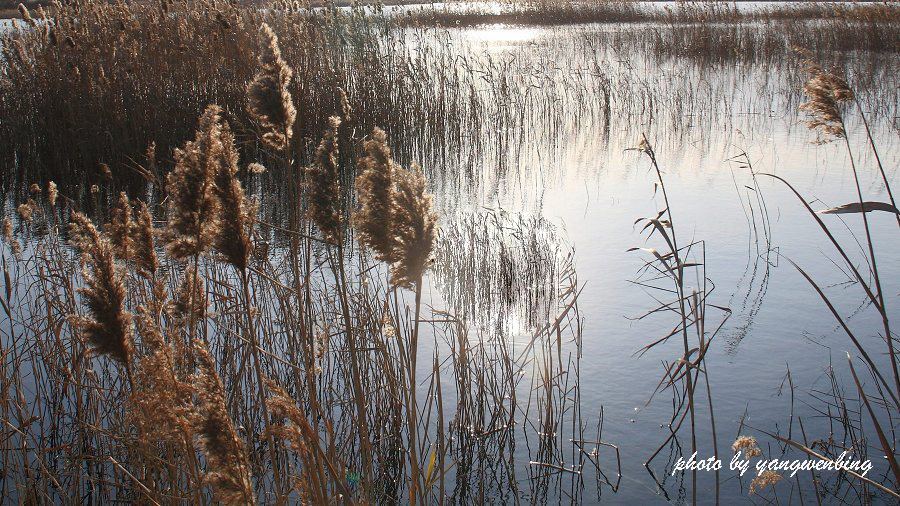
{"x": 108, "y": 328}
{"x": 764, "y": 480}
{"x": 105, "y": 171}
{"x": 374, "y": 188}
{"x": 346, "y": 110}
{"x": 748, "y": 445}
{"x": 7, "y": 229}
{"x": 193, "y": 206}
{"x": 52, "y": 193}
{"x": 189, "y": 301}
{"x": 298, "y": 432}
{"x": 256, "y": 168}
{"x": 826, "y": 92}
{"x": 414, "y": 228}
{"x": 142, "y": 238}
{"x": 121, "y": 227}
{"x": 235, "y": 213}
{"x": 163, "y": 403}
{"x": 26, "y": 16}
{"x": 228, "y": 470}
{"x": 270, "y": 102}
{"x": 325, "y": 187}
{"x": 26, "y": 210}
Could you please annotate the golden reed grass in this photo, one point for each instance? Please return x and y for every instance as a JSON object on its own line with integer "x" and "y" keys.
{"x": 325, "y": 186}
{"x": 189, "y": 354}
{"x": 270, "y": 102}
{"x": 108, "y": 326}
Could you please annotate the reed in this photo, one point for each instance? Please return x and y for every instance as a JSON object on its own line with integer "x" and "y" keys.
{"x": 211, "y": 353}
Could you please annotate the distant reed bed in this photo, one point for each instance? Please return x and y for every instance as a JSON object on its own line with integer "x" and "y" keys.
{"x": 91, "y": 91}
{"x": 864, "y": 26}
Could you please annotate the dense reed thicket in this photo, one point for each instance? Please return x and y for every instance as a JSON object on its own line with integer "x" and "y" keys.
{"x": 102, "y": 92}
{"x": 182, "y": 360}
{"x": 87, "y": 85}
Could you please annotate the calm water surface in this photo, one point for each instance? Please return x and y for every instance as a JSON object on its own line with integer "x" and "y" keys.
{"x": 571, "y": 168}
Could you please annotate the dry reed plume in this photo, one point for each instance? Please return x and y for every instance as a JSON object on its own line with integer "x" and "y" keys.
{"x": 826, "y": 91}
{"x": 193, "y": 206}
{"x": 228, "y": 470}
{"x": 189, "y": 301}
{"x": 108, "y": 328}
{"x": 334, "y": 339}
{"x": 163, "y": 401}
{"x": 374, "y": 188}
{"x": 143, "y": 234}
{"x": 763, "y": 481}
{"x": 270, "y": 102}
{"x": 413, "y": 227}
{"x": 747, "y": 445}
{"x": 120, "y": 229}
{"x": 324, "y": 184}
{"x": 235, "y": 218}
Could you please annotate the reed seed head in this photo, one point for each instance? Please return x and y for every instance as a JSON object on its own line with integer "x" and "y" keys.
{"x": 193, "y": 206}
{"x": 228, "y": 471}
{"x": 121, "y": 227}
{"x": 52, "y": 193}
{"x": 26, "y": 211}
{"x": 748, "y": 445}
{"x": 7, "y": 229}
{"x": 324, "y": 184}
{"x": 162, "y": 405}
{"x": 269, "y": 101}
{"x": 414, "y": 228}
{"x": 189, "y": 301}
{"x": 826, "y": 91}
{"x": 374, "y": 188}
{"x": 145, "y": 258}
{"x": 298, "y": 431}
{"x": 346, "y": 110}
{"x": 764, "y": 480}
{"x": 108, "y": 326}
{"x": 26, "y": 16}
{"x": 236, "y": 215}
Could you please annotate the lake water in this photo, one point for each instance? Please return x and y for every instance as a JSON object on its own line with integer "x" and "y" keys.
{"x": 559, "y": 156}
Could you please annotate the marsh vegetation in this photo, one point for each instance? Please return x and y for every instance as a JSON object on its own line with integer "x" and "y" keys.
{"x": 476, "y": 252}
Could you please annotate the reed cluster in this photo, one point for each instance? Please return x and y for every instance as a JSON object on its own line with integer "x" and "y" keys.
{"x": 209, "y": 355}
{"x": 130, "y": 84}
{"x": 205, "y": 372}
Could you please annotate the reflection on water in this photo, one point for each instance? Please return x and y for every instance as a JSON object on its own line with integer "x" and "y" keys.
{"x": 500, "y": 271}
{"x": 561, "y": 109}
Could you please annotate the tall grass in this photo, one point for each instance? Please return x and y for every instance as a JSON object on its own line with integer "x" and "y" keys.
{"x": 178, "y": 360}
{"x": 829, "y": 96}
{"x": 180, "y": 353}
{"x": 105, "y": 92}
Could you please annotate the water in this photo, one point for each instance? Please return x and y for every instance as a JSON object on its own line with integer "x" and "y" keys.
{"x": 575, "y": 172}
